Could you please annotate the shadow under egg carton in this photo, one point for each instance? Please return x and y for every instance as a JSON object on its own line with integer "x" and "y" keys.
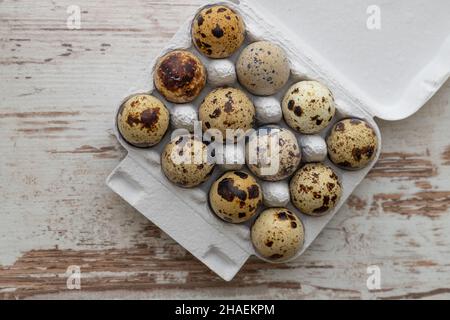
{"x": 184, "y": 214}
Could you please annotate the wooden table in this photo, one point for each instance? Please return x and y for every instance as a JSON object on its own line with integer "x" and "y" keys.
{"x": 59, "y": 89}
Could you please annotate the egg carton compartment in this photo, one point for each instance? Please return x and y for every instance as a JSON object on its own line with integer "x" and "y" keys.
{"x": 184, "y": 214}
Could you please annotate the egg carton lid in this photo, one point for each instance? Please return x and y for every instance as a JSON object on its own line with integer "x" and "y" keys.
{"x": 392, "y": 56}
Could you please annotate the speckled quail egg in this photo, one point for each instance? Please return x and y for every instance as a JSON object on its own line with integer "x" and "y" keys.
{"x": 273, "y": 153}
{"x": 278, "y": 234}
{"x": 315, "y": 189}
{"x": 263, "y": 68}
{"x": 308, "y": 107}
{"x": 184, "y": 161}
{"x": 227, "y": 108}
{"x": 143, "y": 120}
{"x": 218, "y": 31}
{"x": 352, "y": 144}
{"x": 235, "y": 197}
{"x": 179, "y": 76}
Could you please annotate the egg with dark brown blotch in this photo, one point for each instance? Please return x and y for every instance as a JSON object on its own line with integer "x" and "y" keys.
{"x": 235, "y": 197}
{"x": 218, "y": 31}
{"x": 143, "y": 120}
{"x": 263, "y": 68}
{"x": 184, "y": 161}
{"x": 315, "y": 189}
{"x": 227, "y": 108}
{"x": 273, "y": 153}
{"x": 278, "y": 234}
{"x": 308, "y": 107}
{"x": 179, "y": 76}
{"x": 352, "y": 144}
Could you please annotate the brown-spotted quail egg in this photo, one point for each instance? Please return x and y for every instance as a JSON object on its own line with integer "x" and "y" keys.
{"x": 179, "y": 76}
{"x": 218, "y": 31}
{"x": 227, "y": 108}
{"x": 184, "y": 161}
{"x": 273, "y": 153}
{"x": 278, "y": 234}
{"x": 308, "y": 107}
{"x": 143, "y": 120}
{"x": 315, "y": 189}
{"x": 235, "y": 197}
{"x": 263, "y": 68}
{"x": 352, "y": 144}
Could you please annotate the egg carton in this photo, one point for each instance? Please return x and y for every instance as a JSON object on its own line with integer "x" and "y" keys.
{"x": 184, "y": 214}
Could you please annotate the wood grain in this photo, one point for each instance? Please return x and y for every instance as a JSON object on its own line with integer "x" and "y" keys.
{"x": 59, "y": 91}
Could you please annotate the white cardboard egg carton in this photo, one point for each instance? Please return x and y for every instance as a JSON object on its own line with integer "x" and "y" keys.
{"x": 184, "y": 214}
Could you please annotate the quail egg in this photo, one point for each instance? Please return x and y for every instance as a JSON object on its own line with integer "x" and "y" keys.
{"x": 218, "y": 31}
{"x": 232, "y": 156}
{"x": 314, "y": 148}
{"x": 143, "y": 120}
{"x": 315, "y": 189}
{"x": 221, "y": 73}
{"x": 263, "y": 68}
{"x": 352, "y": 144}
{"x": 278, "y": 234}
{"x": 227, "y": 108}
{"x": 184, "y": 161}
{"x": 273, "y": 153}
{"x": 268, "y": 110}
{"x": 235, "y": 197}
{"x": 180, "y": 76}
{"x": 308, "y": 107}
{"x": 183, "y": 116}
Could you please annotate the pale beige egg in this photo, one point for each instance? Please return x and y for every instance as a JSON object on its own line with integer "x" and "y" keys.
{"x": 179, "y": 76}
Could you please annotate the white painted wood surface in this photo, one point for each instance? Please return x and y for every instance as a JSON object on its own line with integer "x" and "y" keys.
{"x": 59, "y": 89}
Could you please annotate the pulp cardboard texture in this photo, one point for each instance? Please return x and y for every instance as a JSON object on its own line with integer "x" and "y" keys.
{"x": 184, "y": 214}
